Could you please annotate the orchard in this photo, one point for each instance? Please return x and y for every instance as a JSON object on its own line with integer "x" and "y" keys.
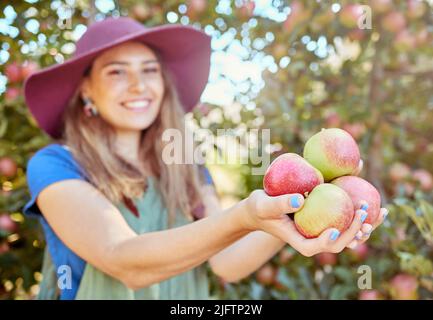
{"x": 311, "y": 73}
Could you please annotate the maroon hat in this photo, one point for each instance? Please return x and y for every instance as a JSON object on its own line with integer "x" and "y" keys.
{"x": 184, "y": 50}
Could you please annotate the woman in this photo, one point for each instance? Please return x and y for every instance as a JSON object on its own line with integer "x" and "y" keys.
{"x": 119, "y": 222}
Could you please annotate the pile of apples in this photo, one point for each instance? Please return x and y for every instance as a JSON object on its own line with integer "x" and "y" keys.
{"x": 324, "y": 176}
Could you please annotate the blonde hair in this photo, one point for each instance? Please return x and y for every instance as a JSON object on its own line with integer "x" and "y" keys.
{"x": 91, "y": 141}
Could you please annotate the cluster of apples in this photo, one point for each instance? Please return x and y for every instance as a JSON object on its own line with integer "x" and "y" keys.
{"x": 323, "y": 176}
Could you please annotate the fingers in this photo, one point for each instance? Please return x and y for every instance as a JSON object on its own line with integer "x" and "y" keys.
{"x": 347, "y": 236}
{"x": 381, "y": 218}
{"x": 284, "y": 204}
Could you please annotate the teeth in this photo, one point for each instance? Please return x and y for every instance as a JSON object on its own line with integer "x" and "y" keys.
{"x": 137, "y": 104}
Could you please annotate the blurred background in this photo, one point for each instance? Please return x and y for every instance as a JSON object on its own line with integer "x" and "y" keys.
{"x": 291, "y": 66}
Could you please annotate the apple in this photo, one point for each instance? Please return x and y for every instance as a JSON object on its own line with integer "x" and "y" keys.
{"x": 350, "y": 15}
{"x": 13, "y": 72}
{"x": 356, "y": 34}
{"x": 279, "y": 51}
{"x": 285, "y": 256}
{"x": 372, "y": 294}
{"x": 298, "y": 14}
{"x": 141, "y": 11}
{"x": 404, "y": 41}
{"x": 4, "y": 247}
{"x": 422, "y": 37}
{"x": 334, "y": 152}
{"x": 8, "y": 167}
{"x": 424, "y": 178}
{"x": 195, "y": 8}
{"x": 381, "y": 6}
{"x": 266, "y": 275}
{"x": 12, "y": 93}
{"x": 394, "y": 22}
{"x": 403, "y": 287}
{"x": 399, "y": 171}
{"x": 290, "y": 173}
{"x": 246, "y": 10}
{"x": 415, "y": 9}
{"x": 326, "y": 258}
{"x": 327, "y": 206}
{"x": 360, "y": 252}
{"x": 7, "y": 224}
{"x": 28, "y": 68}
{"x": 333, "y": 119}
{"x": 359, "y": 189}
{"x": 356, "y": 129}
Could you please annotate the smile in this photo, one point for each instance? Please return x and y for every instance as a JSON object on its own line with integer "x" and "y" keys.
{"x": 137, "y": 105}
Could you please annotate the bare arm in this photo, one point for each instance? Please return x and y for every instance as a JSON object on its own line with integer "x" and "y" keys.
{"x": 95, "y": 230}
{"x": 246, "y": 255}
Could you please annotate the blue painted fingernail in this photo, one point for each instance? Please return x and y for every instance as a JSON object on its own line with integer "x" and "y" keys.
{"x": 357, "y": 238}
{"x": 366, "y": 234}
{"x": 364, "y": 216}
{"x": 385, "y": 215}
{"x": 334, "y": 235}
{"x": 294, "y": 201}
{"x": 364, "y": 206}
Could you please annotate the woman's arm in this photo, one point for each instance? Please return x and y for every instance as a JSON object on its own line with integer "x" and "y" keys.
{"x": 246, "y": 255}
{"x": 95, "y": 230}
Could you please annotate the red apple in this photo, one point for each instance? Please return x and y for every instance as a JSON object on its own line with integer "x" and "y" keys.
{"x": 333, "y": 119}
{"x": 399, "y": 171}
{"x": 360, "y": 252}
{"x": 285, "y": 256}
{"x": 8, "y": 167}
{"x": 326, "y": 258}
{"x": 404, "y": 287}
{"x": 266, "y": 275}
{"x": 4, "y": 247}
{"x": 28, "y": 68}
{"x": 424, "y": 178}
{"x": 422, "y": 37}
{"x": 359, "y": 189}
{"x": 350, "y": 15}
{"x": 394, "y": 22}
{"x": 356, "y": 34}
{"x": 404, "y": 41}
{"x": 334, "y": 152}
{"x": 298, "y": 14}
{"x": 381, "y": 6}
{"x": 12, "y": 93}
{"x": 247, "y": 9}
{"x": 327, "y": 206}
{"x": 356, "y": 129}
{"x": 415, "y": 9}
{"x": 370, "y": 295}
{"x": 141, "y": 11}
{"x": 195, "y": 8}
{"x": 13, "y": 72}
{"x": 7, "y": 224}
{"x": 279, "y": 51}
{"x": 290, "y": 173}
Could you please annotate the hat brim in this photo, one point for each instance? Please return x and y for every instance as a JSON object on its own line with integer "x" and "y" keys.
{"x": 184, "y": 50}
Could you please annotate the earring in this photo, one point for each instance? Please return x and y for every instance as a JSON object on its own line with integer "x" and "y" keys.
{"x": 89, "y": 108}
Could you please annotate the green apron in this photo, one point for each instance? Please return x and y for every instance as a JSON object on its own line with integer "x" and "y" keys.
{"x": 95, "y": 284}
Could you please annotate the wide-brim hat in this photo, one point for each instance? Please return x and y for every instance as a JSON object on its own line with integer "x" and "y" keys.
{"x": 185, "y": 50}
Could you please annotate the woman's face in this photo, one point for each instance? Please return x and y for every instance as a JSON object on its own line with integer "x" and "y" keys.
{"x": 126, "y": 86}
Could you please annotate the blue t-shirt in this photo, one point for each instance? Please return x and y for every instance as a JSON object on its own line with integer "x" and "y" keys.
{"x": 51, "y": 164}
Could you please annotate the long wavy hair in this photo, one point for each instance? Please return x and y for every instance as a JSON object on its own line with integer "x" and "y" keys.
{"x": 91, "y": 140}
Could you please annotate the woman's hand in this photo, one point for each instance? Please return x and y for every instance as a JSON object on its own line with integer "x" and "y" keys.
{"x": 270, "y": 215}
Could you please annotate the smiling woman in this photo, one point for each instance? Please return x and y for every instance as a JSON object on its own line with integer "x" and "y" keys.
{"x": 121, "y": 223}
